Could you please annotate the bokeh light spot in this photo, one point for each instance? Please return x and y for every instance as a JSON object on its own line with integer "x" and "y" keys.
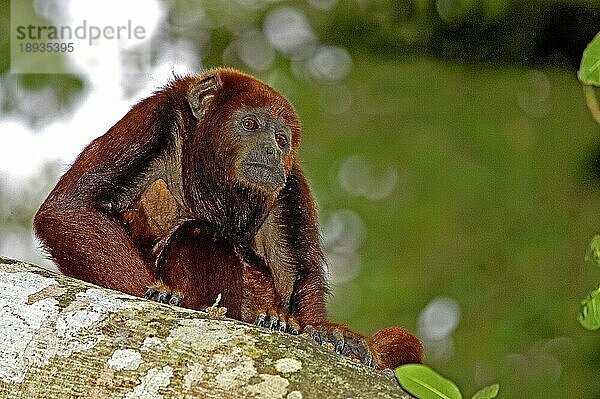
{"x": 358, "y": 176}
{"x": 439, "y": 318}
{"x": 343, "y": 234}
{"x": 534, "y": 94}
{"x": 330, "y": 63}
{"x": 289, "y": 31}
{"x": 255, "y": 51}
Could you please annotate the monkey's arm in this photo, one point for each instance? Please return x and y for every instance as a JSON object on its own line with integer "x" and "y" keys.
{"x": 80, "y": 222}
{"x": 261, "y": 302}
{"x": 298, "y": 233}
{"x": 389, "y": 347}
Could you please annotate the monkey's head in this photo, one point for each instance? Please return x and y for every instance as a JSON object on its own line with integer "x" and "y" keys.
{"x": 239, "y": 150}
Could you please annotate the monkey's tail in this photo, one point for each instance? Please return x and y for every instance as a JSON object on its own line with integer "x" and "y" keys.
{"x": 394, "y": 346}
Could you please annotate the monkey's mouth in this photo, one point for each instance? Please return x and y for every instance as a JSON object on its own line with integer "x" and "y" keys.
{"x": 265, "y": 175}
{"x": 273, "y": 169}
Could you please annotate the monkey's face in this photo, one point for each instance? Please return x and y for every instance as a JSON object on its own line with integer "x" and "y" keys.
{"x": 264, "y": 142}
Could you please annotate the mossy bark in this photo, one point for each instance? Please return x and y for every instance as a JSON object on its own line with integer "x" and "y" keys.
{"x": 64, "y": 338}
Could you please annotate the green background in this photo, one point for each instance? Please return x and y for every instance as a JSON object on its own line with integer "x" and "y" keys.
{"x": 497, "y": 160}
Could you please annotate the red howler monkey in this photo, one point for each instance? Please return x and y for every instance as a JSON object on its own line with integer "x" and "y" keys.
{"x": 195, "y": 192}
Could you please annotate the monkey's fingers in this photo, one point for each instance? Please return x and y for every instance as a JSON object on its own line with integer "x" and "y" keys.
{"x": 163, "y": 294}
{"x": 293, "y": 326}
{"x": 278, "y": 321}
{"x": 357, "y": 348}
{"x": 342, "y": 340}
{"x": 271, "y": 321}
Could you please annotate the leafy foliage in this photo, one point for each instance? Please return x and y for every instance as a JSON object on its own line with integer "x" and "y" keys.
{"x": 589, "y": 74}
{"x": 589, "y": 315}
{"x": 593, "y": 253}
{"x": 589, "y": 71}
{"x": 488, "y": 392}
{"x": 424, "y": 383}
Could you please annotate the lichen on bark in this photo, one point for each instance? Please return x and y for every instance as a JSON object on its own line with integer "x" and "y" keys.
{"x": 66, "y": 338}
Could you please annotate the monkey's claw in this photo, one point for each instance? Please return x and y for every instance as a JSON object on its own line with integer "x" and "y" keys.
{"x": 163, "y": 295}
{"x": 342, "y": 340}
{"x": 278, "y": 321}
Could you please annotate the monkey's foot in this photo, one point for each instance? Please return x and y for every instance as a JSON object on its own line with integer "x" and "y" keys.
{"x": 277, "y": 320}
{"x": 160, "y": 292}
{"x": 343, "y": 340}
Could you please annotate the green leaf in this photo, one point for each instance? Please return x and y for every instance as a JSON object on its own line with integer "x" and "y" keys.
{"x": 593, "y": 253}
{"x": 589, "y": 70}
{"x": 424, "y": 383}
{"x": 488, "y": 392}
{"x": 589, "y": 314}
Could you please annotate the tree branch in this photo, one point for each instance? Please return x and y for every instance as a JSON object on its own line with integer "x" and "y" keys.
{"x": 64, "y": 338}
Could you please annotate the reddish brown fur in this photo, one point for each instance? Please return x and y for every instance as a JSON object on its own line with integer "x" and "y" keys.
{"x": 196, "y": 243}
{"x": 393, "y": 346}
{"x": 157, "y": 197}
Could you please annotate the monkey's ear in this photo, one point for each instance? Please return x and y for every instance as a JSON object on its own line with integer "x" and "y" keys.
{"x": 202, "y": 92}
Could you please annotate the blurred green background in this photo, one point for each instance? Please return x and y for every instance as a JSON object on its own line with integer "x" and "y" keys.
{"x": 448, "y": 145}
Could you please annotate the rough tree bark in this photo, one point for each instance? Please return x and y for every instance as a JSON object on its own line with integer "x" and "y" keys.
{"x": 64, "y": 338}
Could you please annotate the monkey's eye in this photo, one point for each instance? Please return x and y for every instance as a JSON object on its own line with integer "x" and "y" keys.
{"x": 281, "y": 140}
{"x": 250, "y": 123}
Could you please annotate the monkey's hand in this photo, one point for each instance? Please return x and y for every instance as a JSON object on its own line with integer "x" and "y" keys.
{"x": 278, "y": 320}
{"x": 341, "y": 339}
{"x": 160, "y": 292}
